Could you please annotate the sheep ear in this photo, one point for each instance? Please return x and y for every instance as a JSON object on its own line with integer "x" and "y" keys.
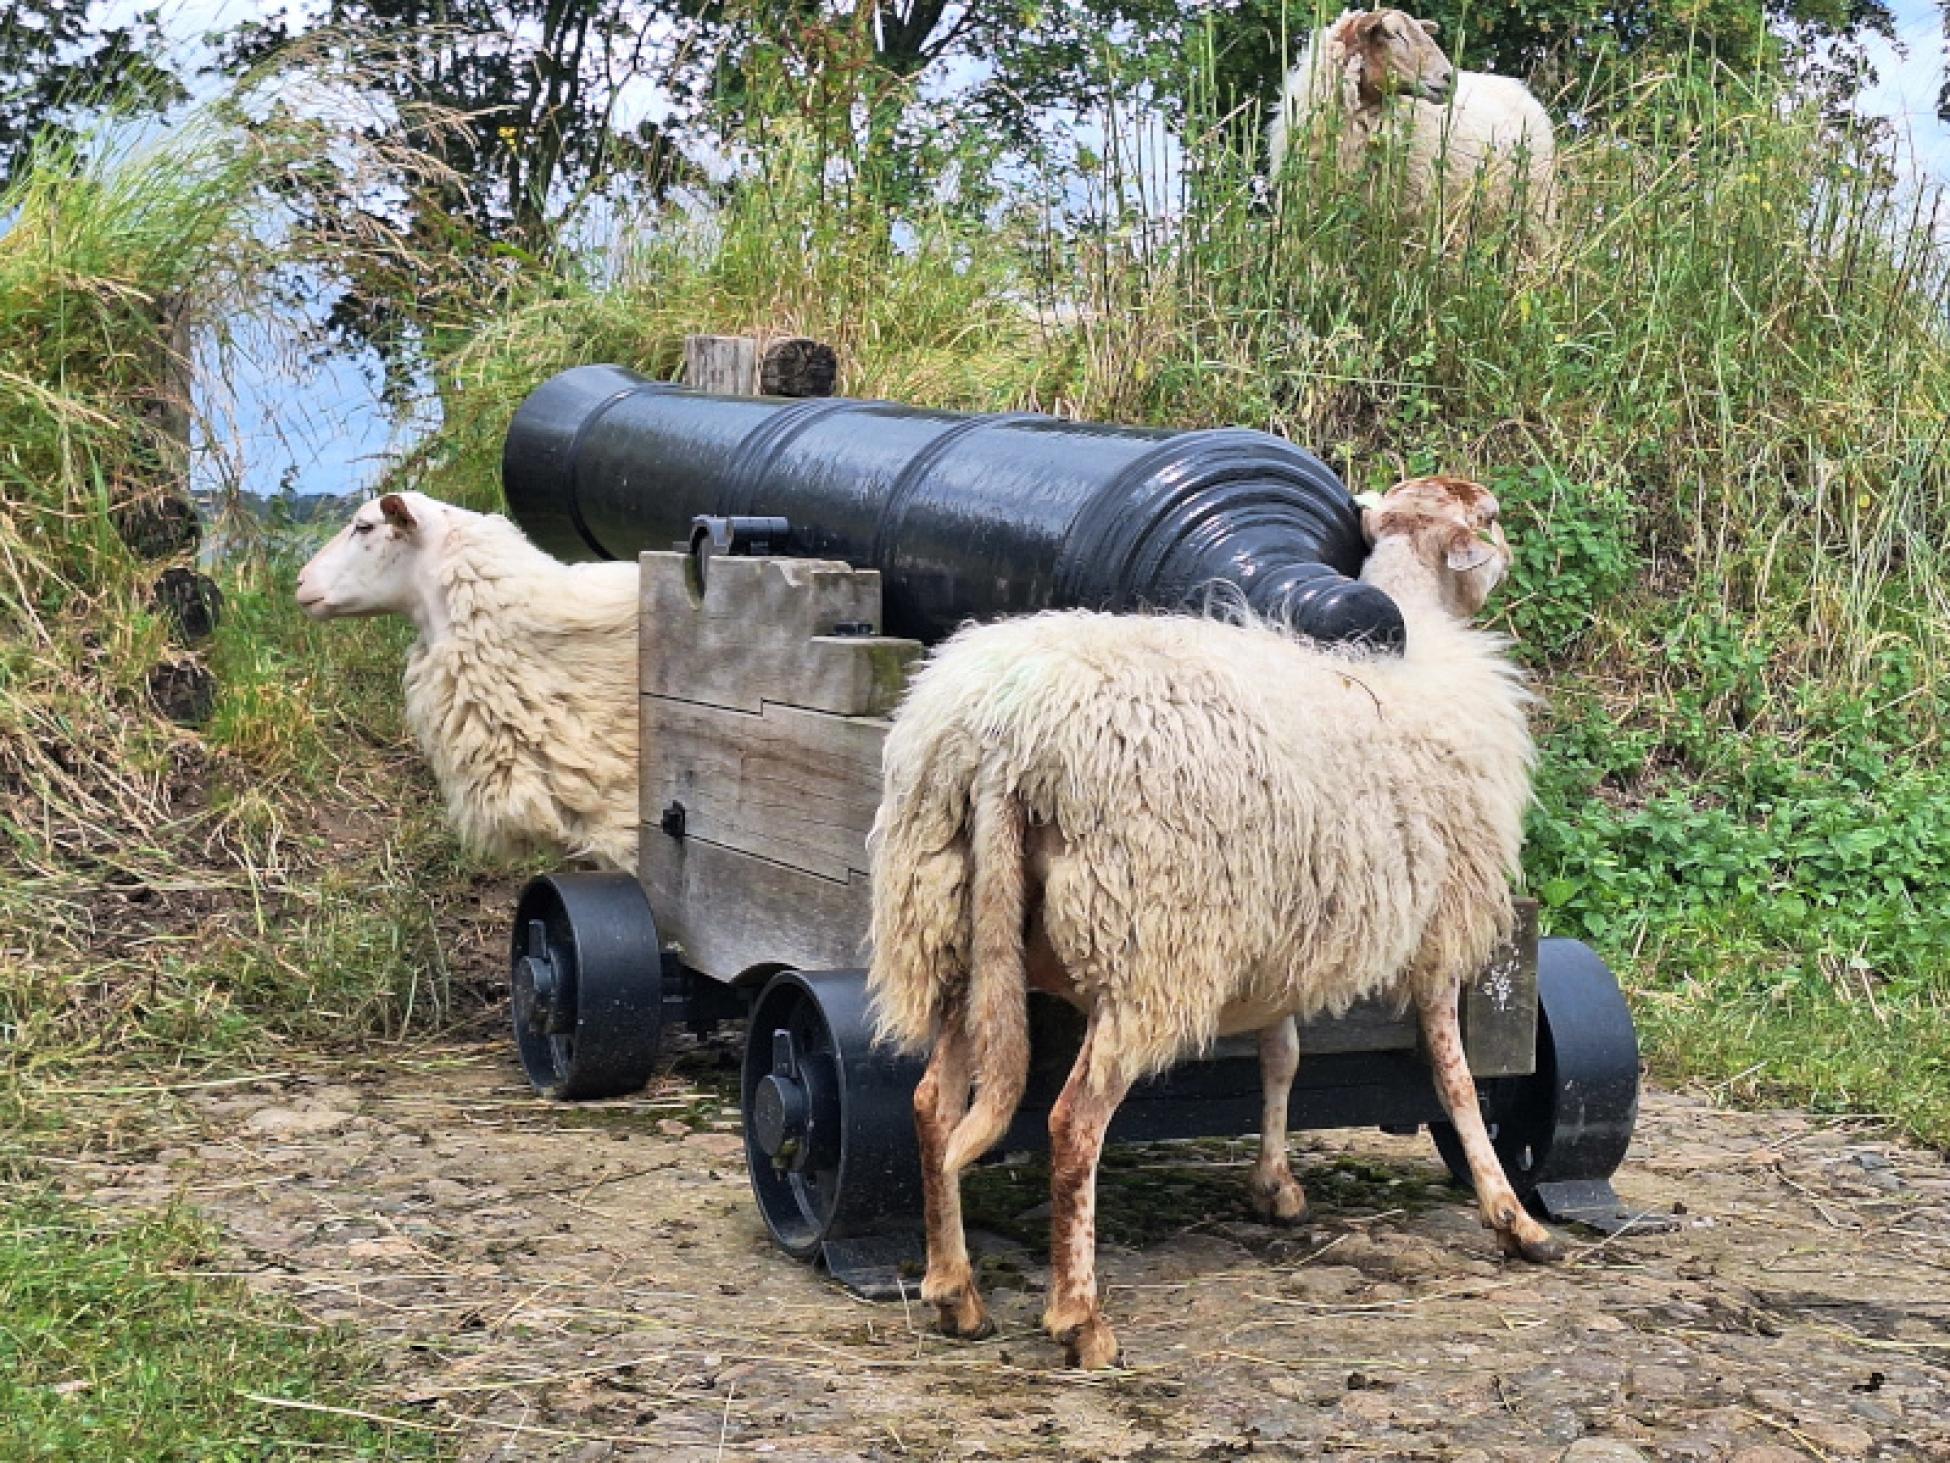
{"x": 1362, "y": 26}
{"x": 1430, "y": 27}
{"x": 397, "y": 513}
{"x": 1467, "y": 552}
{"x": 1370, "y": 505}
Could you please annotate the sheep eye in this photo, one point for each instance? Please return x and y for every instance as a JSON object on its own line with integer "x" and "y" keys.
{"x": 362, "y": 528}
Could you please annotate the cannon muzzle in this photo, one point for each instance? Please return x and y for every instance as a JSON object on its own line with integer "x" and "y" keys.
{"x": 967, "y": 517}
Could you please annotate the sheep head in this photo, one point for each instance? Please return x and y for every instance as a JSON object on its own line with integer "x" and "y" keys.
{"x": 1449, "y": 526}
{"x": 378, "y": 563}
{"x": 1391, "y": 53}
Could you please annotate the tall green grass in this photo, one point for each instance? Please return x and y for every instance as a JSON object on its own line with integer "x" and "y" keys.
{"x": 171, "y": 899}
{"x": 1714, "y": 400}
{"x": 167, "y": 894}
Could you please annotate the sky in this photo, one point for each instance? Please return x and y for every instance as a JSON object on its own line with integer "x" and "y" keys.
{"x": 320, "y": 426}
{"x": 1907, "y": 85}
{"x": 277, "y": 415}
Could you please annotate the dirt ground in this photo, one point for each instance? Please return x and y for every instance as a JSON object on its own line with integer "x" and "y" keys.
{"x": 594, "y": 1282}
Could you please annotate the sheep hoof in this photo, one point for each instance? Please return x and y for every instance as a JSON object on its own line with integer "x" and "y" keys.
{"x": 1091, "y": 1346}
{"x": 965, "y": 1318}
{"x": 979, "y": 1330}
{"x": 1546, "y": 1249}
{"x": 1285, "y": 1206}
{"x": 1543, "y": 1248}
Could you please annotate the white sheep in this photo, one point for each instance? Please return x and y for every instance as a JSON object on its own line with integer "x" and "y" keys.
{"x": 1378, "y": 78}
{"x": 1192, "y": 829}
{"x": 521, "y": 689}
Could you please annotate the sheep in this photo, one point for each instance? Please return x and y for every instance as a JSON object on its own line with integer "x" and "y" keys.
{"x": 1191, "y": 829}
{"x": 521, "y": 689}
{"x": 1387, "y": 76}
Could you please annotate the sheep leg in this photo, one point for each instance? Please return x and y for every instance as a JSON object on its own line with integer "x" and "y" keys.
{"x": 1277, "y": 1195}
{"x": 1517, "y": 1233}
{"x": 939, "y": 1102}
{"x": 1076, "y": 1129}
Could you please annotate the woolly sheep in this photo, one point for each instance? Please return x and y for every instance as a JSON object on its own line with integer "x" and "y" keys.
{"x": 1386, "y": 76}
{"x": 1192, "y": 829}
{"x": 521, "y": 689}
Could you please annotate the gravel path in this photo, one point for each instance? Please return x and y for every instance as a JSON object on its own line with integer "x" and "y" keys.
{"x": 594, "y": 1282}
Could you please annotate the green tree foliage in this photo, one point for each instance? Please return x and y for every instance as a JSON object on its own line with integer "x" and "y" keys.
{"x": 516, "y": 110}
{"x": 529, "y": 106}
{"x": 539, "y": 84}
{"x": 56, "y": 60}
{"x": 1519, "y": 39}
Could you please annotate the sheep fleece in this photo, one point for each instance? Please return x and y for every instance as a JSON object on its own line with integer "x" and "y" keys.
{"x": 1493, "y": 136}
{"x": 1246, "y": 820}
{"x": 527, "y": 710}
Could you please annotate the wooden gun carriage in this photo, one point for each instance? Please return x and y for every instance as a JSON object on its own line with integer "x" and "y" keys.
{"x": 765, "y": 687}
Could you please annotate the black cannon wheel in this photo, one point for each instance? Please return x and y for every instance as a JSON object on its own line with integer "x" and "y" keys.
{"x": 586, "y": 973}
{"x": 1572, "y": 1119}
{"x": 829, "y": 1123}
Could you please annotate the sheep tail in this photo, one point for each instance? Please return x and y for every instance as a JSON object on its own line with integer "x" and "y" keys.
{"x": 996, "y": 1014}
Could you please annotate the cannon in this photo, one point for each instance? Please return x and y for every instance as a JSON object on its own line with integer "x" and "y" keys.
{"x": 965, "y": 517}
{"x": 781, "y": 545}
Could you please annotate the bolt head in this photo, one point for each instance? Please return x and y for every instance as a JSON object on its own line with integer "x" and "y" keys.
{"x": 543, "y": 988}
{"x": 779, "y": 1113}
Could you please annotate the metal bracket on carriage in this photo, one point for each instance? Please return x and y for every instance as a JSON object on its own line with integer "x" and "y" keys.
{"x": 884, "y": 1266}
{"x": 745, "y": 535}
{"x": 1595, "y": 1204}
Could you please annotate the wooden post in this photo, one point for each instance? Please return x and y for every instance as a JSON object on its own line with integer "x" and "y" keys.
{"x": 726, "y": 365}
{"x": 158, "y": 518}
{"x": 796, "y": 365}
{"x": 746, "y": 365}
{"x": 171, "y": 408}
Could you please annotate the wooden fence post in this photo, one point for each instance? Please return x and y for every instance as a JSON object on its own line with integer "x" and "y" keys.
{"x": 746, "y": 365}
{"x": 726, "y": 365}
{"x": 796, "y": 365}
{"x": 158, "y": 519}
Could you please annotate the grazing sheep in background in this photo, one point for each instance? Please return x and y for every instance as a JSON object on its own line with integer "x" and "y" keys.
{"x": 1191, "y": 829}
{"x": 521, "y": 689}
{"x": 1384, "y": 73}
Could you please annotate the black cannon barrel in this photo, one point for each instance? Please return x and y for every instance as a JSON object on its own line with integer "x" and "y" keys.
{"x": 967, "y": 517}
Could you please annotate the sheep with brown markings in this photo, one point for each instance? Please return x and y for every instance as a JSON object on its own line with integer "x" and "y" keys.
{"x": 1192, "y": 829}
{"x": 1375, "y": 80}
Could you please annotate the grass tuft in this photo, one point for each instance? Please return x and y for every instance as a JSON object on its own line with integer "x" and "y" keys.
{"x": 116, "y": 1345}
